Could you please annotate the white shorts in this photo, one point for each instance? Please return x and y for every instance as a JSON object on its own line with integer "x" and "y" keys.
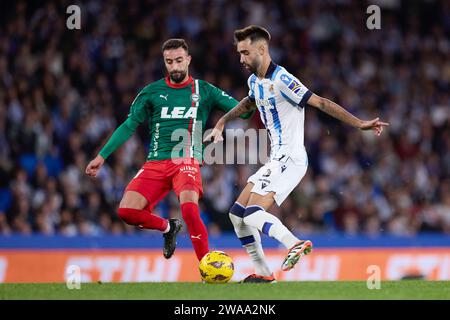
{"x": 278, "y": 176}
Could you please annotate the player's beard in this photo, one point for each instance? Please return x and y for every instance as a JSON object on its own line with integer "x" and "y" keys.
{"x": 253, "y": 67}
{"x": 177, "y": 76}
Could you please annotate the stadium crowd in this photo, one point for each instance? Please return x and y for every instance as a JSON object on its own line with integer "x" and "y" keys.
{"x": 63, "y": 92}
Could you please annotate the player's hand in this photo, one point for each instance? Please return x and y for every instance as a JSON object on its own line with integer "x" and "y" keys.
{"x": 216, "y": 133}
{"x": 94, "y": 166}
{"x": 375, "y": 125}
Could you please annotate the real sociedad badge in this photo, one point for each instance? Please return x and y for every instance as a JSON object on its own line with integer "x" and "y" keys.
{"x": 286, "y": 79}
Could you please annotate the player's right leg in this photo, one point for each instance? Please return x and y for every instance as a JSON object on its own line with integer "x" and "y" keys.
{"x": 131, "y": 211}
{"x": 250, "y": 239}
{"x": 146, "y": 189}
{"x": 273, "y": 183}
{"x": 256, "y": 215}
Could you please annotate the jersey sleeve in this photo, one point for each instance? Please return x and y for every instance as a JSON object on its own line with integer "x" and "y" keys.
{"x": 224, "y": 101}
{"x": 251, "y": 87}
{"x": 293, "y": 90}
{"x": 138, "y": 114}
{"x": 139, "y": 111}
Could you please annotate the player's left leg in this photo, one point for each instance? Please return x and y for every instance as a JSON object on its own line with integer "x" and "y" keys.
{"x": 197, "y": 229}
{"x": 187, "y": 184}
{"x": 256, "y": 215}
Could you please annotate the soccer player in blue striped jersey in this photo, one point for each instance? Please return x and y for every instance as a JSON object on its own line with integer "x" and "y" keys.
{"x": 280, "y": 99}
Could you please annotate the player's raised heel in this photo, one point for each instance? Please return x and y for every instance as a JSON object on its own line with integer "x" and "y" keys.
{"x": 254, "y": 278}
{"x": 299, "y": 250}
{"x": 170, "y": 237}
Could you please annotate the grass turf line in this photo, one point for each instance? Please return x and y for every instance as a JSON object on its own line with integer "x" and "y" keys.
{"x": 407, "y": 289}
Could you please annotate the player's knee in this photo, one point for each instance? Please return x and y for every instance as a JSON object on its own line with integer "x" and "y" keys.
{"x": 189, "y": 196}
{"x": 237, "y": 212}
{"x": 134, "y": 200}
{"x": 236, "y": 215}
{"x": 129, "y": 216}
{"x": 236, "y": 221}
{"x": 250, "y": 213}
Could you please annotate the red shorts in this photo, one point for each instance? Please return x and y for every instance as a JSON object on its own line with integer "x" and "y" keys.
{"x": 156, "y": 178}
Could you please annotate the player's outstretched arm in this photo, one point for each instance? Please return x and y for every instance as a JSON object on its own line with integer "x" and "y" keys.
{"x": 244, "y": 106}
{"x": 338, "y": 112}
{"x": 138, "y": 113}
{"x": 118, "y": 138}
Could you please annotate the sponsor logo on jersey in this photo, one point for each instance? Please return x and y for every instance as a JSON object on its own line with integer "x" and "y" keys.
{"x": 156, "y": 139}
{"x": 294, "y": 86}
{"x": 263, "y": 103}
{"x": 195, "y": 97}
{"x": 188, "y": 168}
{"x": 179, "y": 113}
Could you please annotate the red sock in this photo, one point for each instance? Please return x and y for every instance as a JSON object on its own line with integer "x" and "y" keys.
{"x": 196, "y": 228}
{"x": 142, "y": 219}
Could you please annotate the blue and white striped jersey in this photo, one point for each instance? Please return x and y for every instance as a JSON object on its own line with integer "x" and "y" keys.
{"x": 281, "y": 98}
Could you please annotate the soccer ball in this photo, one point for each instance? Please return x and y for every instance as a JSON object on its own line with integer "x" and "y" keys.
{"x": 216, "y": 267}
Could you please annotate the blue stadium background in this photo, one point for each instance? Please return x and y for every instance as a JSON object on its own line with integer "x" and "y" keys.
{"x": 63, "y": 92}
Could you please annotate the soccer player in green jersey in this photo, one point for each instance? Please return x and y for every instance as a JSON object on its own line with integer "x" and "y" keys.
{"x": 174, "y": 104}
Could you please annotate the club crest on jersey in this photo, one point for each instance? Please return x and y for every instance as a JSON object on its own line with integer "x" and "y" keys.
{"x": 195, "y": 97}
{"x": 179, "y": 113}
{"x": 286, "y": 79}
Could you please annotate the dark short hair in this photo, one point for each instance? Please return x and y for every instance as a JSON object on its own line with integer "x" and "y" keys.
{"x": 175, "y": 44}
{"x": 252, "y": 32}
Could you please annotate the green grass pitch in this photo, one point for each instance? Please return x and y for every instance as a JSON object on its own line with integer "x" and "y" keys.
{"x": 406, "y": 289}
